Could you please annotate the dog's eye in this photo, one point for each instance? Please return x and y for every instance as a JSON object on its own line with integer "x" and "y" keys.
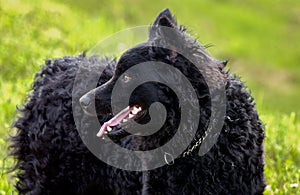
{"x": 126, "y": 78}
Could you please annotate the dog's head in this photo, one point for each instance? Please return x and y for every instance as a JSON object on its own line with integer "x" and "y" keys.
{"x": 165, "y": 45}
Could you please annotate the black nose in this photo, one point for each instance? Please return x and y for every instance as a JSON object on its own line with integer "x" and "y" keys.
{"x": 85, "y": 101}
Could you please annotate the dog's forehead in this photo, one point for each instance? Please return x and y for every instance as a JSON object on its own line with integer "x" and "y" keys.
{"x": 135, "y": 55}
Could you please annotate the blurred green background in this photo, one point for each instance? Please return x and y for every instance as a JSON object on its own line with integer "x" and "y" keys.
{"x": 259, "y": 37}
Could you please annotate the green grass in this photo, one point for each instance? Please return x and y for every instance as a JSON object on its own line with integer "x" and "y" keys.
{"x": 282, "y": 154}
{"x": 259, "y": 37}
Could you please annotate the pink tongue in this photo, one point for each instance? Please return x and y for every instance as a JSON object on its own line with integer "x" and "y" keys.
{"x": 115, "y": 120}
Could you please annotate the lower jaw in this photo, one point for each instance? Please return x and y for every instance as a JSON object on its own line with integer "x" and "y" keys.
{"x": 117, "y": 135}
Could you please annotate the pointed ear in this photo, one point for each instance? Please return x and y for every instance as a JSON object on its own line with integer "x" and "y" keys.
{"x": 222, "y": 64}
{"x": 165, "y": 28}
{"x": 165, "y": 18}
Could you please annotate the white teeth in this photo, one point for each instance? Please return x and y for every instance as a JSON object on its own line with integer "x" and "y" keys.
{"x": 105, "y": 132}
{"x": 134, "y": 111}
{"x": 131, "y": 115}
{"x": 125, "y": 120}
{"x": 108, "y": 128}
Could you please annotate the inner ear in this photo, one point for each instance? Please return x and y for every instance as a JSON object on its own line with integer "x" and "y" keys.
{"x": 164, "y": 21}
{"x": 165, "y": 18}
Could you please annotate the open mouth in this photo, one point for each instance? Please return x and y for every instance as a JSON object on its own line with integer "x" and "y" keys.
{"x": 113, "y": 127}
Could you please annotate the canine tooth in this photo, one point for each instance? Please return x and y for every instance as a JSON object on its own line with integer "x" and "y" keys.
{"x": 124, "y": 120}
{"x": 131, "y": 115}
{"x": 106, "y": 132}
{"x": 109, "y": 128}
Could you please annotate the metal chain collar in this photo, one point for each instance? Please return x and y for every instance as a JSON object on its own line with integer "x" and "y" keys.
{"x": 189, "y": 151}
{"x": 197, "y": 144}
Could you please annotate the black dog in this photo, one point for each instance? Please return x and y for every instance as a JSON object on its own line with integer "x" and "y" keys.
{"x": 51, "y": 156}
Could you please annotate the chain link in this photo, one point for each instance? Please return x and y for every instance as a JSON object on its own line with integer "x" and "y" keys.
{"x": 189, "y": 151}
{"x": 197, "y": 144}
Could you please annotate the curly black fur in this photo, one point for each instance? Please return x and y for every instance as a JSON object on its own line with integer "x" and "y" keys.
{"x": 52, "y": 158}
